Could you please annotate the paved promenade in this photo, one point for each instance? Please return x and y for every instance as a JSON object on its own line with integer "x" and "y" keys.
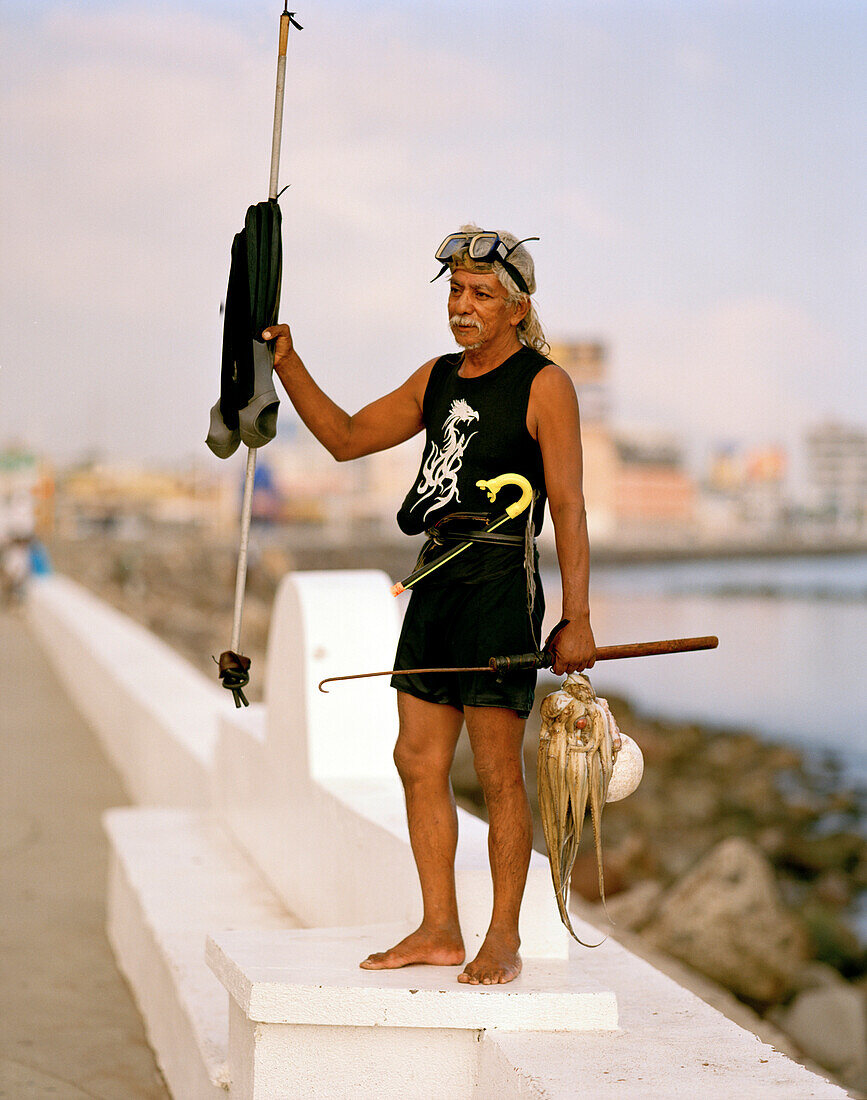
{"x": 68, "y": 1026}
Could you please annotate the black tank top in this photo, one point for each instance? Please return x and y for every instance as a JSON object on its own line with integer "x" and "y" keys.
{"x": 476, "y": 429}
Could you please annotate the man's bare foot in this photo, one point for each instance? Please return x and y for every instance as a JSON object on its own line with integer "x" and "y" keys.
{"x": 443, "y": 947}
{"x": 497, "y": 962}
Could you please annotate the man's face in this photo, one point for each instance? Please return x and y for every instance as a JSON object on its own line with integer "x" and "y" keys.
{"x": 478, "y": 311}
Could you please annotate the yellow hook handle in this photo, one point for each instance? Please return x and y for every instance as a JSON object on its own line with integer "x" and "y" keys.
{"x": 495, "y": 484}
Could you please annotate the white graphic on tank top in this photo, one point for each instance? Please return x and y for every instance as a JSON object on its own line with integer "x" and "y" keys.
{"x": 438, "y": 478}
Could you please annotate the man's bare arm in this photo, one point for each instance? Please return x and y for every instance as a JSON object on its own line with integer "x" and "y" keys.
{"x": 553, "y": 418}
{"x": 383, "y": 423}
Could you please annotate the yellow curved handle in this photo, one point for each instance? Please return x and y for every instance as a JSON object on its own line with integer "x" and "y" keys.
{"x": 493, "y": 487}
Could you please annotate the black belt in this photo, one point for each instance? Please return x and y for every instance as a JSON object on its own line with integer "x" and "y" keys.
{"x": 468, "y": 527}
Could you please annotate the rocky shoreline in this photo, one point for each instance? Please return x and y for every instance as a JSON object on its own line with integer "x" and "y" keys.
{"x": 743, "y": 861}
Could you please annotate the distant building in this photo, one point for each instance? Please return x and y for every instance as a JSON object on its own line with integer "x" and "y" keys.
{"x": 744, "y": 492}
{"x": 586, "y": 364}
{"x": 120, "y": 495}
{"x": 26, "y": 495}
{"x": 313, "y": 487}
{"x": 386, "y": 479}
{"x": 763, "y": 504}
{"x": 725, "y": 473}
{"x": 654, "y": 495}
{"x": 837, "y": 470}
{"x": 635, "y": 485}
{"x": 340, "y": 496}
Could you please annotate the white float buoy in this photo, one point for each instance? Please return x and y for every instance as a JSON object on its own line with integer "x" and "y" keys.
{"x": 628, "y": 770}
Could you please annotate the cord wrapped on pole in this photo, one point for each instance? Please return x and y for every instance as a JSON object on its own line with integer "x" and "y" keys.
{"x": 235, "y": 675}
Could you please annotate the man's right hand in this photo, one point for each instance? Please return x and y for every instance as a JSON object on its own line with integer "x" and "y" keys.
{"x": 283, "y": 346}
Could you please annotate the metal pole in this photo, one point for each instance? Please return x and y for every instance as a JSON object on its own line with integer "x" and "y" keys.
{"x": 277, "y": 135}
{"x": 241, "y": 575}
{"x": 250, "y": 475}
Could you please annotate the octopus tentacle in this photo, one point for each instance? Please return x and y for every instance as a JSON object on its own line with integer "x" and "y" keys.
{"x": 578, "y": 749}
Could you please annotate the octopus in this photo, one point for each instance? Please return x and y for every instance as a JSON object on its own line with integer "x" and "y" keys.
{"x": 583, "y": 758}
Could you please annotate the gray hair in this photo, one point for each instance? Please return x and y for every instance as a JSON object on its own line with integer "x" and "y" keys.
{"x": 530, "y": 328}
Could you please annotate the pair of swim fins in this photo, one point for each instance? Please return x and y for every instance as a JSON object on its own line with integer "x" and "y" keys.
{"x": 247, "y": 409}
{"x": 257, "y": 420}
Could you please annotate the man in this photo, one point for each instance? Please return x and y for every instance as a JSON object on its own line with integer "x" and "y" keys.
{"x": 497, "y": 407}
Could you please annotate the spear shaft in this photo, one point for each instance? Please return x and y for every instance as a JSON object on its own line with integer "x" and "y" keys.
{"x": 545, "y": 659}
{"x": 286, "y": 19}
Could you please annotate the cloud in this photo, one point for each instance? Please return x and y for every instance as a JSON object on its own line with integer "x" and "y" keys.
{"x": 698, "y": 64}
{"x": 131, "y": 152}
{"x": 135, "y": 136}
{"x": 590, "y": 215}
{"x": 742, "y": 368}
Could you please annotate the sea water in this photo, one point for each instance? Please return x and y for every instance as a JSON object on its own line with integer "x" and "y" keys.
{"x": 791, "y": 659}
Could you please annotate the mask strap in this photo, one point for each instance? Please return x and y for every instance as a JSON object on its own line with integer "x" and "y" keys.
{"x": 517, "y": 243}
{"x": 518, "y": 278}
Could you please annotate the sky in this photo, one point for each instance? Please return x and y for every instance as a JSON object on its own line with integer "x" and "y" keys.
{"x": 695, "y": 171}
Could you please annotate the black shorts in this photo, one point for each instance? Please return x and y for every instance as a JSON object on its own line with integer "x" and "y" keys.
{"x": 457, "y": 624}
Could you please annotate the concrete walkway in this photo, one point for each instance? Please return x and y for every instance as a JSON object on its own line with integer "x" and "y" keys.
{"x": 68, "y": 1025}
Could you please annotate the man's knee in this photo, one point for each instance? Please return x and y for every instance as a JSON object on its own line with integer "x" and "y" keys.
{"x": 417, "y": 761}
{"x": 499, "y": 772}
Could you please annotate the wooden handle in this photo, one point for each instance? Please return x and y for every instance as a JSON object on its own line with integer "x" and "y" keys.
{"x": 652, "y": 649}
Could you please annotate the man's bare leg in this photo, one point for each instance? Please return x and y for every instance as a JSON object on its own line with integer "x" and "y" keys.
{"x": 423, "y": 754}
{"x": 496, "y": 735}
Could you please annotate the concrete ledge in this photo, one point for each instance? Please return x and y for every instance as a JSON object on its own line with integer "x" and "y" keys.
{"x": 306, "y": 1062}
{"x": 306, "y": 1021}
{"x": 670, "y": 1044}
{"x": 313, "y": 977}
{"x": 311, "y": 794}
{"x": 674, "y": 1063}
{"x": 155, "y": 715}
{"x": 175, "y": 877}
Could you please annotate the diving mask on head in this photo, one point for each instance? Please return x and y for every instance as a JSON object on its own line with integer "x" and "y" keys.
{"x": 483, "y": 247}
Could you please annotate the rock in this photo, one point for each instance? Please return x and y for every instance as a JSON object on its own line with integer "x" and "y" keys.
{"x": 725, "y": 918}
{"x": 829, "y": 1024}
{"x": 834, "y": 889}
{"x": 833, "y": 940}
{"x": 631, "y": 909}
{"x": 585, "y": 875}
{"x": 812, "y": 855}
{"x": 816, "y": 975}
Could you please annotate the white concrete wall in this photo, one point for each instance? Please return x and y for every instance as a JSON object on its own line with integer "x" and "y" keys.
{"x": 306, "y": 787}
{"x": 173, "y": 877}
{"x": 155, "y": 715}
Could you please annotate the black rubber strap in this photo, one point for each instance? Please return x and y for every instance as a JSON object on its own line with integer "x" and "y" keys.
{"x": 235, "y": 675}
{"x": 477, "y": 536}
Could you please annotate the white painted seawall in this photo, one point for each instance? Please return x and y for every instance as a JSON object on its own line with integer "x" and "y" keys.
{"x": 251, "y": 823}
{"x": 155, "y": 715}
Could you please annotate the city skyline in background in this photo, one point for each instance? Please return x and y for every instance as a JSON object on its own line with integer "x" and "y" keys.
{"x": 695, "y": 173}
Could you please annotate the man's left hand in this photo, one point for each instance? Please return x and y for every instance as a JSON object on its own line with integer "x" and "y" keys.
{"x": 574, "y": 648}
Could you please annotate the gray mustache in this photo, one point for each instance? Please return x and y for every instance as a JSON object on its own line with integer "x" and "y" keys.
{"x": 460, "y": 319}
